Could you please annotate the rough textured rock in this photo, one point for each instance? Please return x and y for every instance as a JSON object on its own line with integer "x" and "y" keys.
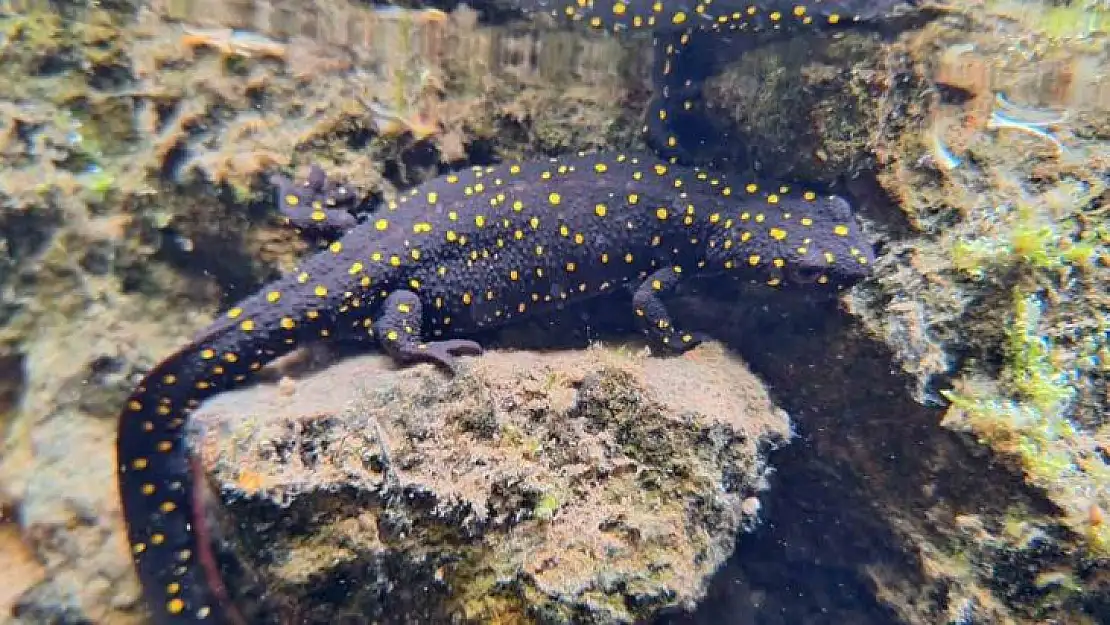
{"x": 592, "y": 486}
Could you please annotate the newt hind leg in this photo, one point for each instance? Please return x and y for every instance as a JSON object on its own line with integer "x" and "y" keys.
{"x": 316, "y": 206}
{"x": 399, "y": 332}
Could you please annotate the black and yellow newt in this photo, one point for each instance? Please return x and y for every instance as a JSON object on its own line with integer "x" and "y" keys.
{"x": 462, "y": 252}
{"x": 672, "y": 122}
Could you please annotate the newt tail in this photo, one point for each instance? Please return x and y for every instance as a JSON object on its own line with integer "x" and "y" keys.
{"x": 159, "y": 481}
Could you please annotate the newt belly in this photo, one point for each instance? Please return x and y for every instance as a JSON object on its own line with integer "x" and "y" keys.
{"x": 471, "y": 250}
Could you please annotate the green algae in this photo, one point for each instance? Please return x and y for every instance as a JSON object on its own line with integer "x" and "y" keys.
{"x": 1027, "y": 413}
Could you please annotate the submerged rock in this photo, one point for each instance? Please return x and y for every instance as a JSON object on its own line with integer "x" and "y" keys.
{"x": 594, "y": 486}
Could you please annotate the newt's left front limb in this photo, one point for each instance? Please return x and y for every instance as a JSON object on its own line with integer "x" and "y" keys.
{"x": 653, "y": 315}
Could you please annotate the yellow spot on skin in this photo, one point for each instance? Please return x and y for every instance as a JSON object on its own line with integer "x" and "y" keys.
{"x": 320, "y": 290}
{"x": 518, "y": 205}
{"x": 148, "y": 489}
{"x": 840, "y": 231}
{"x": 415, "y": 253}
{"x": 231, "y": 357}
{"x": 753, "y": 260}
{"x": 318, "y": 215}
{"x": 432, "y": 197}
{"x": 834, "y": 18}
{"x": 660, "y": 170}
{"x": 273, "y": 297}
{"x": 604, "y": 259}
{"x": 656, "y": 285}
{"x": 356, "y": 268}
{"x": 601, "y": 168}
{"x": 234, "y": 313}
{"x": 421, "y": 227}
{"x": 452, "y": 236}
{"x": 167, "y": 507}
{"x": 292, "y": 200}
{"x": 479, "y": 220}
{"x": 628, "y": 258}
{"x": 381, "y": 224}
{"x": 661, "y": 213}
{"x": 207, "y": 354}
{"x": 830, "y": 258}
{"x": 773, "y": 199}
{"x": 752, "y": 188}
{"x": 134, "y": 405}
{"x": 571, "y": 267}
{"x": 554, "y": 199}
{"x": 395, "y": 260}
{"x": 138, "y": 548}
{"x": 287, "y": 323}
{"x": 139, "y": 464}
{"x": 679, "y": 18}
{"x": 579, "y": 238}
{"x": 714, "y": 218}
{"x": 777, "y": 234}
{"x": 810, "y": 195}
{"x": 336, "y": 247}
{"x": 466, "y": 298}
{"x": 806, "y": 221}
{"x": 633, "y": 198}
{"x": 535, "y": 222}
{"x": 302, "y": 277}
{"x": 247, "y": 325}
{"x": 514, "y": 169}
{"x": 600, "y": 210}
{"x": 175, "y": 606}
{"x": 414, "y": 284}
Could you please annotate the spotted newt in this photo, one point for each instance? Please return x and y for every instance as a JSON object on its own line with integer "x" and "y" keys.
{"x": 470, "y": 250}
{"x": 674, "y": 119}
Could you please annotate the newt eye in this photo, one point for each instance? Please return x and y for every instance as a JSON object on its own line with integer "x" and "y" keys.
{"x": 805, "y": 275}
